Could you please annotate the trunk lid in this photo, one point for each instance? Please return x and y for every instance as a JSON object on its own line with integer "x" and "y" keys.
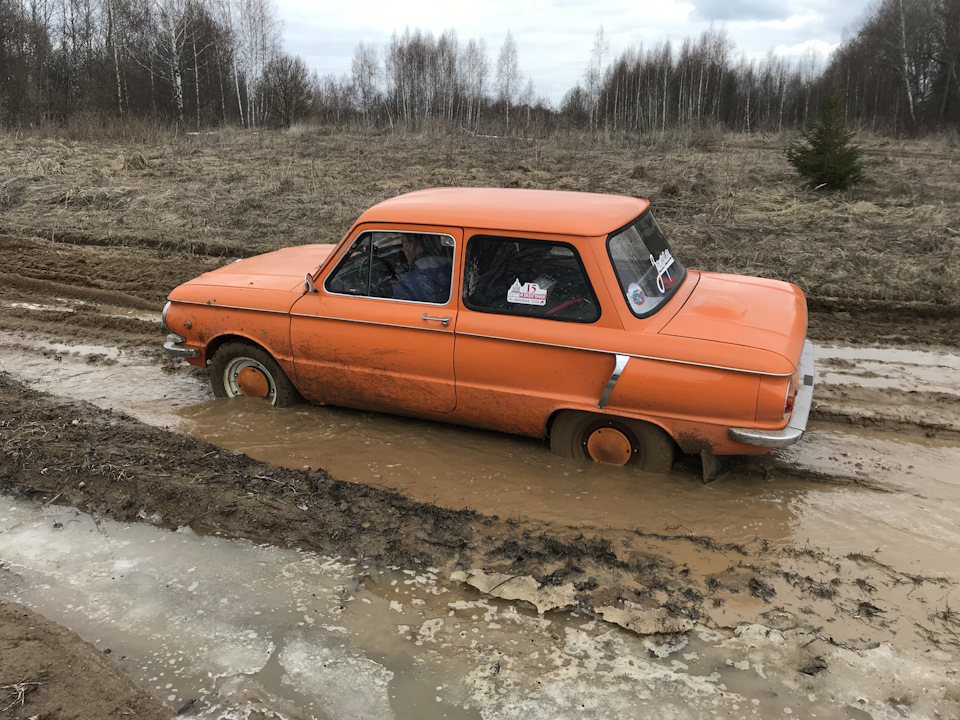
{"x": 745, "y": 311}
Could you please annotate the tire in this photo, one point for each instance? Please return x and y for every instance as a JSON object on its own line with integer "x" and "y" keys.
{"x": 244, "y": 369}
{"x": 615, "y": 440}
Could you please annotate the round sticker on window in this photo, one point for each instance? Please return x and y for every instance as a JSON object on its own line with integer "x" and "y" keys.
{"x": 635, "y": 296}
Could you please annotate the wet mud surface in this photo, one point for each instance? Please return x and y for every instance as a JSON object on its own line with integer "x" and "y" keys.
{"x": 845, "y": 547}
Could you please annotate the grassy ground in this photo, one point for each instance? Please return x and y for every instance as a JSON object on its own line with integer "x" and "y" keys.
{"x": 727, "y": 203}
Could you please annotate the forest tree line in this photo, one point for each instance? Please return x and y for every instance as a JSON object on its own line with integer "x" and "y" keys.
{"x": 209, "y": 63}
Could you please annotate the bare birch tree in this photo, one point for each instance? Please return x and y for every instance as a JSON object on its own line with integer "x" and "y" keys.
{"x": 508, "y": 75}
{"x": 366, "y": 78}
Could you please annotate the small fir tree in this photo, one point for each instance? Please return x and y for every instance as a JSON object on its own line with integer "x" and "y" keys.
{"x": 827, "y": 155}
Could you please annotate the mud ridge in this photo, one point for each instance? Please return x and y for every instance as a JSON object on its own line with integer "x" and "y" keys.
{"x": 194, "y": 247}
{"x": 109, "y": 464}
{"x": 56, "y": 289}
{"x": 882, "y": 310}
{"x": 918, "y": 426}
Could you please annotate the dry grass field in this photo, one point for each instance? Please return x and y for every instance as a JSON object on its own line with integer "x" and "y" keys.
{"x": 727, "y": 203}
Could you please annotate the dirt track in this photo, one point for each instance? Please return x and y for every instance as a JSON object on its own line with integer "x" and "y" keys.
{"x": 79, "y": 289}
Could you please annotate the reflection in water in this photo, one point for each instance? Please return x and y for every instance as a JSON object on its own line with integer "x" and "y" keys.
{"x": 511, "y": 476}
{"x": 915, "y": 524}
{"x": 495, "y": 473}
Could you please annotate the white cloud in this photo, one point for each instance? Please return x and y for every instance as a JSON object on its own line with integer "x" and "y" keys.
{"x": 816, "y": 49}
{"x": 555, "y": 37}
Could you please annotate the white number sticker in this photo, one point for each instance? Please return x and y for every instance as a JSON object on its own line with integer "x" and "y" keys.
{"x": 526, "y": 294}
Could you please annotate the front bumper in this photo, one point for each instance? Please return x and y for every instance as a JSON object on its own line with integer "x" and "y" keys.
{"x": 798, "y": 418}
{"x": 173, "y": 347}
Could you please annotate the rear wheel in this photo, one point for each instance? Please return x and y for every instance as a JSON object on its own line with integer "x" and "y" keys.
{"x": 613, "y": 440}
{"x": 244, "y": 370}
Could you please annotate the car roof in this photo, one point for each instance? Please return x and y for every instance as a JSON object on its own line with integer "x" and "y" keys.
{"x": 545, "y": 211}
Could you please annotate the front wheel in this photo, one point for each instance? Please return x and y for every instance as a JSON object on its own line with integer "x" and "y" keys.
{"x": 613, "y": 440}
{"x": 244, "y": 370}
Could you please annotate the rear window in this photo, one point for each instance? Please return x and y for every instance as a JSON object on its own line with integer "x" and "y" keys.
{"x": 514, "y": 276}
{"x": 646, "y": 269}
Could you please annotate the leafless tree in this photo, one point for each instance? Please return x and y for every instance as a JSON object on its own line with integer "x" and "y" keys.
{"x": 474, "y": 70}
{"x": 593, "y": 78}
{"x": 508, "y": 75}
{"x": 286, "y": 89}
{"x": 366, "y": 78}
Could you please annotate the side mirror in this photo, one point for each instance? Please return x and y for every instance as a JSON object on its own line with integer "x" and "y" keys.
{"x": 308, "y": 284}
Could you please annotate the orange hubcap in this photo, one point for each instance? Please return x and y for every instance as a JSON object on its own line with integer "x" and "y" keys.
{"x": 253, "y": 383}
{"x": 609, "y": 445}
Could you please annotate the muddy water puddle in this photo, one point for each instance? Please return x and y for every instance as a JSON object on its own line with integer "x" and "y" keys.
{"x": 103, "y": 375}
{"x": 244, "y": 630}
{"x": 900, "y": 492}
{"x": 917, "y": 511}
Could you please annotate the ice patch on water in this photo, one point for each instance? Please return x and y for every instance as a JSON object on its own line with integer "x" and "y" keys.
{"x": 348, "y": 685}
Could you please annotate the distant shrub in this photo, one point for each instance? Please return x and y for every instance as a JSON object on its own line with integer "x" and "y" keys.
{"x": 827, "y": 156}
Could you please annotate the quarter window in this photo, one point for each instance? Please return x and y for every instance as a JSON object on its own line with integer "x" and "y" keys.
{"x": 415, "y": 267}
{"x": 512, "y": 276}
{"x": 648, "y": 273}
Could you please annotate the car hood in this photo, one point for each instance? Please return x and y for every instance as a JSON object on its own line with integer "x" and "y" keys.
{"x": 271, "y": 281}
{"x": 733, "y": 310}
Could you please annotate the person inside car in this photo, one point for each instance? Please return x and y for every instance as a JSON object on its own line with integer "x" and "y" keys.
{"x": 430, "y": 269}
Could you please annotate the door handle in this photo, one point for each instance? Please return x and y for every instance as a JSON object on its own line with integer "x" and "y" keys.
{"x": 443, "y": 321}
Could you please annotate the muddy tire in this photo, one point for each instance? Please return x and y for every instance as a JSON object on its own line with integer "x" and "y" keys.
{"x": 244, "y": 369}
{"x": 614, "y": 440}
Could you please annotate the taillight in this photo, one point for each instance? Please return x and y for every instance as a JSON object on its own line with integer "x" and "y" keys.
{"x": 789, "y": 400}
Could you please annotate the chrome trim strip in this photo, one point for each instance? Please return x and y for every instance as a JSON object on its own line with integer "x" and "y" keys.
{"x": 371, "y": 322}
{"x": 622, "y": 361}
{"x": 317, "y": 317}
{"x": 633, "y": 355}
{"x": 163, "y": 315}
{"x": 491, "y": 337}
{"x": 233, "y": 307}
{"x": 388, "y": 299}
{"x": 797, "y": 424}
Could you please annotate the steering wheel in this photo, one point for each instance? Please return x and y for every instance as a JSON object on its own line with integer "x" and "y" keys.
{"x": 381, "y": 273}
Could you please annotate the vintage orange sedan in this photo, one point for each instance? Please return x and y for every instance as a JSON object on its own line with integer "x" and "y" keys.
{"x": 558, "y": 315}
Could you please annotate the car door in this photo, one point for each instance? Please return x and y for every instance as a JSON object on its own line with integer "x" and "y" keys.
{"x": 378, "y": 331}
{"x": 526, "y": 333}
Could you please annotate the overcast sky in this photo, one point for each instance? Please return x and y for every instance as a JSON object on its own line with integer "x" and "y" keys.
{"x": 555, "y": 37}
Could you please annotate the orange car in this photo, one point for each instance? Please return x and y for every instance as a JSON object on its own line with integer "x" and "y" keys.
{"x": 558, "y": 315}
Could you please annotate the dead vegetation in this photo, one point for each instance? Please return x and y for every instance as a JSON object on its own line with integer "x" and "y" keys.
{"x": 18, "y": 691}
{"x": 729, "y": 205}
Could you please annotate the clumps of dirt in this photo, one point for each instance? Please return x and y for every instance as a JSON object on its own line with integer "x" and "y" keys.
{"x": 47, "y": 671}
{"x": 109, "y": 464}
{"x": 112, "y": 465}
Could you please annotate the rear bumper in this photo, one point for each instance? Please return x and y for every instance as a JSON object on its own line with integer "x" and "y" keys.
{"x": 797, "y": 424}
{"x": 173, "y": 347}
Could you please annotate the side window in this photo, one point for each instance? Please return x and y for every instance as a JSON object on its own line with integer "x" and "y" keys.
{"x": 512, "y": 276}
{"x": 416, "y": 267}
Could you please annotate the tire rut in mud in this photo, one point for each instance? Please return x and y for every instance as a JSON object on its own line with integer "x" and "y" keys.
{"x": 109, "y": 464}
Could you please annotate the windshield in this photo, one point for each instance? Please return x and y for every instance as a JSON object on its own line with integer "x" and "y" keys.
{"x": 646, "y": 269}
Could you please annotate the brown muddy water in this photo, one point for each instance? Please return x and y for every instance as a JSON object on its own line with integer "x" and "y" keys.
{"x": 430, "y": 651}
{"x": 842, "y": 489}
